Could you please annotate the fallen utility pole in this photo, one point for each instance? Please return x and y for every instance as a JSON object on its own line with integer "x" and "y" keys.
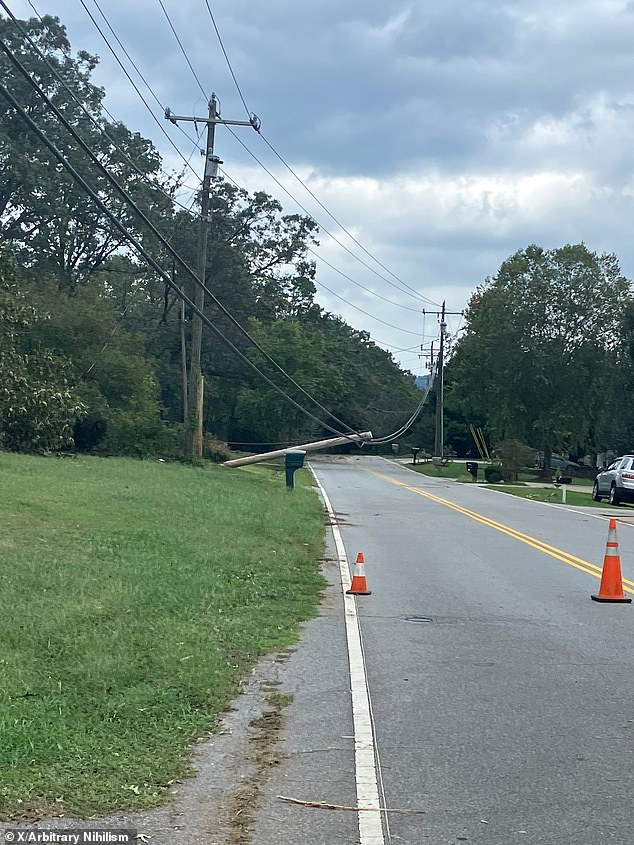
{"x": 195, "y": 388}
{"x": 363, "y": 437}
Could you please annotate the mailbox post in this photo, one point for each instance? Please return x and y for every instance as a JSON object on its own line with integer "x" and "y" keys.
{"x": 293, "y": 461}
{"x": 472, "y": 469}
{"x": 415, "y": 451}
{"x": 561, "y": 482}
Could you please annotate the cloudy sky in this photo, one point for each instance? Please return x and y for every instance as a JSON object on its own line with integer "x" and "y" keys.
{"x": 444, "y": 136}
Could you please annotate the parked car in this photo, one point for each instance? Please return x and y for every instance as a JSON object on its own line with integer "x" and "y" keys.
{"x": 615, "y": 482}
{"x": 557, "y": 462}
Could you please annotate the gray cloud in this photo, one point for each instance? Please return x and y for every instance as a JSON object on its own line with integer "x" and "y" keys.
{"x": 447, "y": 134}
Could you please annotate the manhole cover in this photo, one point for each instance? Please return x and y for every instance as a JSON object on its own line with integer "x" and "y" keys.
{"x": 418, "y": 619}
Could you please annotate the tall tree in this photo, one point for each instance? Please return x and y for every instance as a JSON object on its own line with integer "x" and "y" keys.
{"x": 52, "y": 224}
{"x": 537, "y": 342}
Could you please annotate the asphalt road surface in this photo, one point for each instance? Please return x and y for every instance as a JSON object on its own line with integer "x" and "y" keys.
{"x": 502, "y": 696}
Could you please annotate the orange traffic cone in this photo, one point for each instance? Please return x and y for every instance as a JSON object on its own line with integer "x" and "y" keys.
{"x": 359, "y": 586}
{"x": 611, "y": 588}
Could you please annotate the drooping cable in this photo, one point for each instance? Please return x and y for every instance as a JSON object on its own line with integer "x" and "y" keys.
{"x": 146, "y": 255}
{"x": 418, "y": 410}
{"x": 299, "y": 179}
{"x": 91, "y": 117}
{"x": 335, "y": 269}
{"x": 281, "y": 185}
{"x": 410, "y": 422}
{"x": 126, "y": 197}
{"x": 132, "y": 82}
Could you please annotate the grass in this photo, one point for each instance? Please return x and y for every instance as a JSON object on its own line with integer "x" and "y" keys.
{"x": 547, "y": 494}
{"x": 136, "y": 596}
{"x": 457, "y": 470}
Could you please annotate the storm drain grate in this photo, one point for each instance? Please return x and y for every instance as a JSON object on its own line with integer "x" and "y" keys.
{"x": 418, "y": 619}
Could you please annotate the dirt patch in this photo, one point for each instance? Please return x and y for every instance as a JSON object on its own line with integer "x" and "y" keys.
{"x": 263, "y": 753}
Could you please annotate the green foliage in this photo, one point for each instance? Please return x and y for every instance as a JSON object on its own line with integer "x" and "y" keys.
{"x": 514, "y": 456}
{"x": 541, "y": 340}
{"x": 38, "y": 408}
{"x": 53, "y": 226}
{"x": 118, "y": 324}
{"x": 136, "y": 430}
{"x": 493, "y": 473}
{"x": 215, "y": 451}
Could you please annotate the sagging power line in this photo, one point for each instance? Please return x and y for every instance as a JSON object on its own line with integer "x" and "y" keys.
{"x": 142, "y": 251}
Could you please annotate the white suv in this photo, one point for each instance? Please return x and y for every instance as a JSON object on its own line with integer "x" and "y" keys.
{"x": 616, "y": 483}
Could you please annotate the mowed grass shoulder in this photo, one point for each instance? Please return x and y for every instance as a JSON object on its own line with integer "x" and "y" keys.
{"x": 135, "y": 596}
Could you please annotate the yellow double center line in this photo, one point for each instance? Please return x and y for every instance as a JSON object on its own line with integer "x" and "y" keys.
{"x": 558, "y": 554}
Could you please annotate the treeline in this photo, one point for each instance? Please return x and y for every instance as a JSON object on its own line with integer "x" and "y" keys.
{"x": 95, "y": 346}
{"x": 546, "y": 355}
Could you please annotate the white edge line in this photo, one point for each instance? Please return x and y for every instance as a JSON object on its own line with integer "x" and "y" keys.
{"x": 370, "y": 823}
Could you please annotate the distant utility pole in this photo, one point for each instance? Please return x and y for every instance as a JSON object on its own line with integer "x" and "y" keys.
{"x": 439, "y": 438}
{"x": 193, "y": 391}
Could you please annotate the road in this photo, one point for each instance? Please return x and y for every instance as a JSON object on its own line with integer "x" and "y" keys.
{"x": 502, "y": 696}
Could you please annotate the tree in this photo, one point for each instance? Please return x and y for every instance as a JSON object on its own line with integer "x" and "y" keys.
{"x": 538, "y": 342}
{"x": 38, "y": 407}
{"x": 54, "y": 227}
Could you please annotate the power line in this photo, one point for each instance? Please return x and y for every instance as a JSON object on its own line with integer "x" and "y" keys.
{"x": 299, "y": 179}
{"x": 123, "y": 193}
{"x": 340, "y": 224}
{"x": 131, "y": 81}
{"x": 359, "y": 285}
{"x": 222, "y": 47}
{"x": 338, "y": 296}
{"x": 172, "y": 199}
{"x": 367, "y": 313}
{"x": 335, "y": 269}
{"x": 143, "y": 252}
{"x": 183, "y": 51}
{"x": 324, "y": 228}
{"x": 91, "y": 117}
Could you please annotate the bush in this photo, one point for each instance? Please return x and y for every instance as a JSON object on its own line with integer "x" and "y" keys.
{"x": 514, "y": 455}
{"x": 38, "y": 405}
{"x": 216, "y": 451}
{"x": 493, "y": 473}
{"x": 136, "y": 436}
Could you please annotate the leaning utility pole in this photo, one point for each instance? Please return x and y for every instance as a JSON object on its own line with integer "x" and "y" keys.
{"x": 194, "y": 397}
{"x": 439, "y": 438}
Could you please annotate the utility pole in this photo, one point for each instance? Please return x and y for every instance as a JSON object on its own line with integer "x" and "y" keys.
{"x": 193, "y": 391}
{"x": 439, "y": 438}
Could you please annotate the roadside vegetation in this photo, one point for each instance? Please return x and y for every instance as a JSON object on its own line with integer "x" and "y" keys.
{"x": 457, "y": 471}
{"x": 554, "y": 496}
{"x": 136, "y": 595}
{"x": 96, "y": 352}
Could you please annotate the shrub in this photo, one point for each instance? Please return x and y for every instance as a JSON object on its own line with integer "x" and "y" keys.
{"x": 514, "y": 455}
{"x": 493, "y": 473}
{"x": 215, "y": 450}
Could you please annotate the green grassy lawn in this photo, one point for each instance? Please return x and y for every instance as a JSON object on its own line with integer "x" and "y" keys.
{"x": 547, "y": 494}
{"x": 457, "y": 471}
{"x": 136, "y": 595}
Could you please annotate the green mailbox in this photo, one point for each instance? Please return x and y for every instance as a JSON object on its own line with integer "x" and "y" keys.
{"x": 293, "y": 461}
